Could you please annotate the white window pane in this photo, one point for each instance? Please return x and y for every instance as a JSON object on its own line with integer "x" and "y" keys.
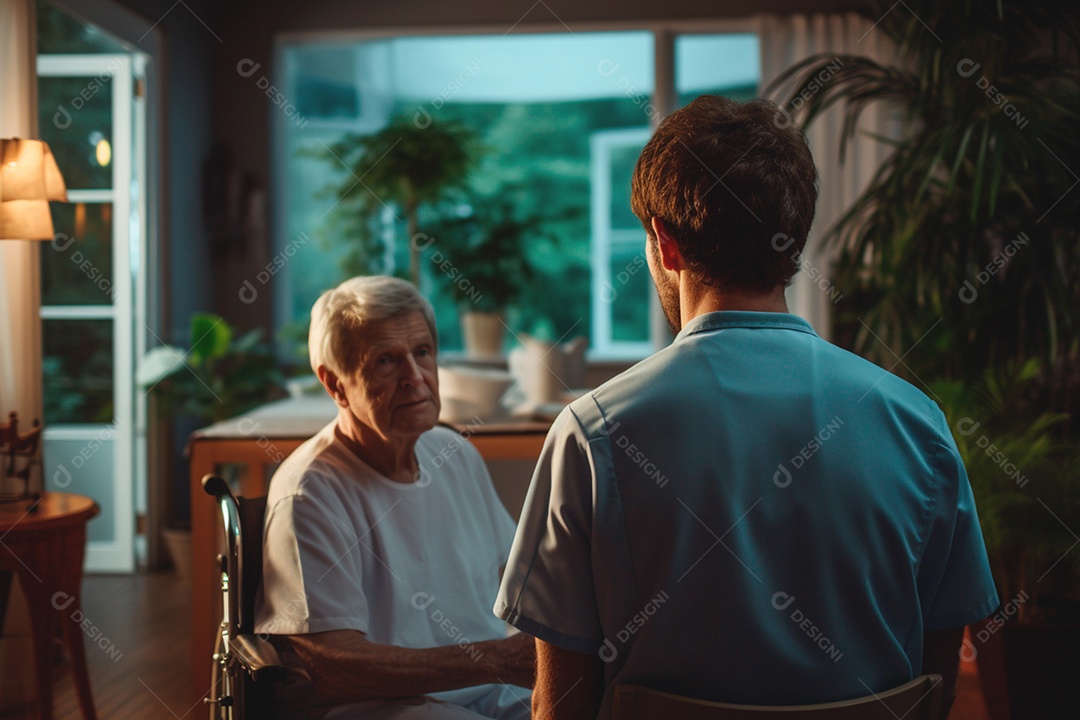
{"x": 85, "y": 466}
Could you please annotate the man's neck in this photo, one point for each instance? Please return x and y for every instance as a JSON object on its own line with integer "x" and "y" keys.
{"x": 697, "y": 300}
{"x": 392, "y": 457}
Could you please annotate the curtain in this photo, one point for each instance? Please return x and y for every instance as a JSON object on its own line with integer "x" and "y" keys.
{"x": 20, "y": 324}
{"x": 784, "y": 40}
{"x": 20, "y": 278}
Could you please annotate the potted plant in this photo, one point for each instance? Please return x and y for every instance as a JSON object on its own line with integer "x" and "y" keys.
{"x": 218, "y": 377}
{"x": 967, "y": 228}
{"x": 405, "y": 166}
{"x": 1026, "y": 482}
{"x": 480, "y": 257}
{"x": 962, "y": 259}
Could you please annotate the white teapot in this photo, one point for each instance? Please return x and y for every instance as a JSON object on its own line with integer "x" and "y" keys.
{"x": 546, "y": 372}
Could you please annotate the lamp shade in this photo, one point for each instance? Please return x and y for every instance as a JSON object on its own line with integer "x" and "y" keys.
{"x": 29, "y": 179}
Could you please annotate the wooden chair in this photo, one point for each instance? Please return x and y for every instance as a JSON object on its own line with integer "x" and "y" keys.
{"x": 20, "y": 450}
{"x": 919, "y": 699}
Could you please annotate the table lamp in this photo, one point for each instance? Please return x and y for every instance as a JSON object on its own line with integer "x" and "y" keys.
{"x": 29, "y": 179}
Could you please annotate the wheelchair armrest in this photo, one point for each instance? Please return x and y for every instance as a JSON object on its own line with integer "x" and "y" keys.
{"x": 258, "y": 658}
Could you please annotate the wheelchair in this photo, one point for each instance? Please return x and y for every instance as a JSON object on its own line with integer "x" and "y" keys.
{"x": 245, "y": 666}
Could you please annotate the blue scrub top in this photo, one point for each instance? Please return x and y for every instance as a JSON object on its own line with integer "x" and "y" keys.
{"x": 751, "y": 515}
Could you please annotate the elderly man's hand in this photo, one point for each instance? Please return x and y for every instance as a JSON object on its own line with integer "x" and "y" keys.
{"x": 513, "y": 660}
{"x": 346, "y": 667}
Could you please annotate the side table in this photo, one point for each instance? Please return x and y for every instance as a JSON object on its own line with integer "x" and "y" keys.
{"x": 44, "y": 542}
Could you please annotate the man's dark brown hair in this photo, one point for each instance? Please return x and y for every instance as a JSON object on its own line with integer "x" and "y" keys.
{"x": 736, "y": 188}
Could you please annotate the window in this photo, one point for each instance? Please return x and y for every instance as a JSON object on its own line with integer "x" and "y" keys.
{"x": 562, "y": 118}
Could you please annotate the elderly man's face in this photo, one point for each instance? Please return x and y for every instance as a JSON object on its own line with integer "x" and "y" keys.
{"x": 395, "y": 388}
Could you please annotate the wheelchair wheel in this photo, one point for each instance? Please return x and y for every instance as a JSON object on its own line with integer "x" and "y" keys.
{"x": 220, "y": 700}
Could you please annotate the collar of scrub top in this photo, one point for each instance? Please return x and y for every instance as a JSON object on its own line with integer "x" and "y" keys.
{"x": 723, "y": 319}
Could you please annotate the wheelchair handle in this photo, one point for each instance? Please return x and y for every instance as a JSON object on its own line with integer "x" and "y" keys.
{"x": 230, "y": 518}
{"x": 215, "y": 485}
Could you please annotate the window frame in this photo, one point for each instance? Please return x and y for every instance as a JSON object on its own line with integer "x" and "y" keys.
{"x": 664, "y": 100}
{"x": 128, "y": 295}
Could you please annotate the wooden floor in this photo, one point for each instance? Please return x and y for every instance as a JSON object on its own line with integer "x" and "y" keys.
{"x": 147, "y": 619}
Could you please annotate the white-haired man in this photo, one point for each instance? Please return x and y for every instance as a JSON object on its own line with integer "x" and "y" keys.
{"x": 384, "y": 536}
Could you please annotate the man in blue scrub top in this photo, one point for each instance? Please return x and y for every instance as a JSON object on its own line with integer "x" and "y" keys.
{"x": 751, "y": 515}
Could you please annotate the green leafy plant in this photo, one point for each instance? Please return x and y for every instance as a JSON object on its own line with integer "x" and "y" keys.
{"x": 966, "y": 238}
{"x": 402, "y": 167}
{"x": 217, "y": 378}
{"x": 961, "y": 258}
{"x": 1025, "y": 479}
{"x": 486, "y": 243}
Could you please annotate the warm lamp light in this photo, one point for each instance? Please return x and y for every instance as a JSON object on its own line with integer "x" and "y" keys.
{"x": 29, "y": 179}
{"x": 103, "y": 152}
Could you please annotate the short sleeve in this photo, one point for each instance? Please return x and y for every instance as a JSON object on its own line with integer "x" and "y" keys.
{"x": 547, "y": 588}
{"x": 956, "y": 585}
{"x": 309, "y": 571}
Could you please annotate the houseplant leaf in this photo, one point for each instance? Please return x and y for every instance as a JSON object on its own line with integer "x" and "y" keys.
{"x": 210, "y": 337}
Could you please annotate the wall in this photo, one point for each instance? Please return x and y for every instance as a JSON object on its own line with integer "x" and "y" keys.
{"x": 184, "y": 143}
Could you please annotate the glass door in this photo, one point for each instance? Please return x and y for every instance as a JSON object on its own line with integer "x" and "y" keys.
{"x": 89, "y": 115}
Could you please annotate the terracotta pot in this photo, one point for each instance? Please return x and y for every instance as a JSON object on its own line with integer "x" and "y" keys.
{"x": 986, "y": 639}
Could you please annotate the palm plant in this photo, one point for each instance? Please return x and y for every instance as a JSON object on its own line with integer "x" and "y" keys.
{"x": 1026, "y": 481}
{"x": 965, "y": 244}
{"x": 966, "y": 238}
{"x": 404, "y": 165}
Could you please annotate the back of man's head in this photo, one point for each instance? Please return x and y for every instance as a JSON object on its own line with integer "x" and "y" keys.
{"x": 735, "y": 189}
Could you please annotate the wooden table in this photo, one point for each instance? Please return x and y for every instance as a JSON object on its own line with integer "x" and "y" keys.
{"x": 44, "y": 543}
{"x": 260, "y": 440}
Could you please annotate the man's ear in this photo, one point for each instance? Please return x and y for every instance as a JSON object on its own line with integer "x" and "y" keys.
{"x": 332, "y": 383}
{"x": 670, "y": 257}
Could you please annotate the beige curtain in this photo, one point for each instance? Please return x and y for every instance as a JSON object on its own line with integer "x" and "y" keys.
{"x": 785, "y": 40}
{"x": 20, "y": 280}
{"x": 20, "y": 324}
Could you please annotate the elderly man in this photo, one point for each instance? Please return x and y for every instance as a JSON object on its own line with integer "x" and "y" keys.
{"x": 751, "y": 515}
{"x": 384, "y": 536}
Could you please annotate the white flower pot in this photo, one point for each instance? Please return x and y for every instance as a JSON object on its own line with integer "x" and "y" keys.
{"x": 483, "y": 333}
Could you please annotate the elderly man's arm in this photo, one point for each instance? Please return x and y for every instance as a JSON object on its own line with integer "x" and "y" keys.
{"x": 569, "y": 685}
{"x": 347, "y": 667}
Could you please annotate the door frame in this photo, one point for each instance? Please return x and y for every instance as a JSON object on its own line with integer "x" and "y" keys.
{"x": 128, "y": 278}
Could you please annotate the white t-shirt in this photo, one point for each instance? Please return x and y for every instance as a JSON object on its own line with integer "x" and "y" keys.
{"x": 413, "y": 565}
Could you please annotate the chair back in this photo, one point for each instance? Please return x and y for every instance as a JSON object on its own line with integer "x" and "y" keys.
{"x": 246, "y": 666}
{"x": 919, "y": 699}
{"x": 242, "y": 519}
{"x": 21, "y": 451}
{"x": 252, "y": 518}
